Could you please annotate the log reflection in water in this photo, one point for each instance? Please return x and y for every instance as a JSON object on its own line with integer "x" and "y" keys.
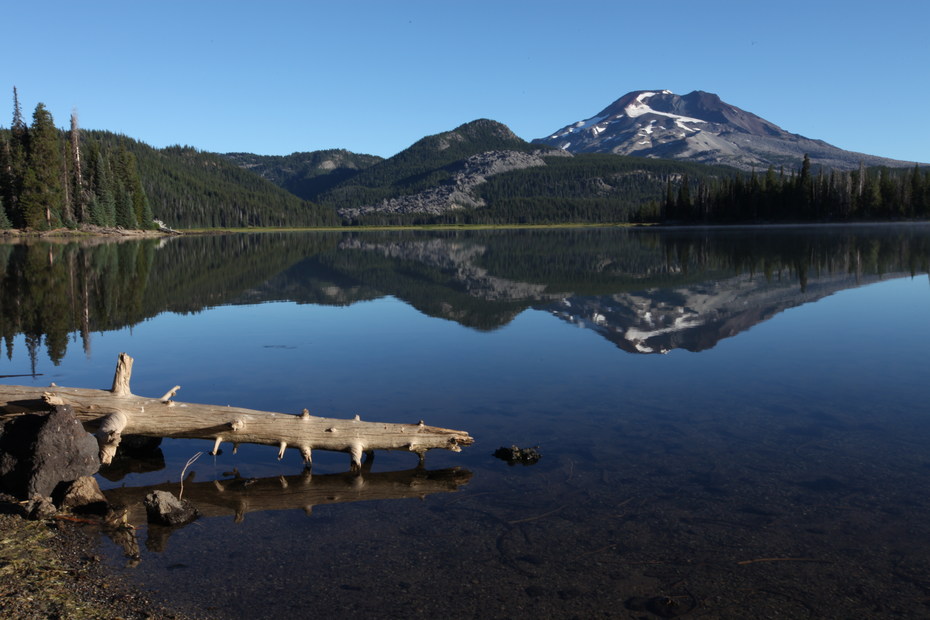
{"x": 238, "y": 496}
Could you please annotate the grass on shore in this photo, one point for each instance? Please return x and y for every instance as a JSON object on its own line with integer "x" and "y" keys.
{"x": 440, "y": 227}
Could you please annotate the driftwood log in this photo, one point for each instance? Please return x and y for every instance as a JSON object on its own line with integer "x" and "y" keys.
{"x": 109, "y": 414}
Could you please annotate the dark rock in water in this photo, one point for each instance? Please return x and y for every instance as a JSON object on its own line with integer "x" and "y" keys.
{"x": 164, "y": 508}
{"x": 514, "y": 455}
{"x": 39, "y": 451}
{"x": 134, "y": 462}
{"x": 82, "y": 495}
{"x": 136, "y": 446}
{"x": 670, "y": 607}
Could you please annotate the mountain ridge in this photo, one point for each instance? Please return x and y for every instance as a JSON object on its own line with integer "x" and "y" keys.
{"x": 700, "y": 127}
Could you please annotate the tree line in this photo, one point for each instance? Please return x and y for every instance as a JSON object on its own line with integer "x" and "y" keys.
{"x": 51, "y": 178}
{"x": 801, "y": 195}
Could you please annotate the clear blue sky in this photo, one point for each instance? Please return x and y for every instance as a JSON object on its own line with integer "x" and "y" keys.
{"x": 274, "y": 77}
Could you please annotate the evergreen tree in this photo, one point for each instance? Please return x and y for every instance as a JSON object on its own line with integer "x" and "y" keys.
{"x": 6, "y": 176}
{"x": 4, "y": 220}
{"x": 125, "y": 180}
{"x": 683, "y": 206}
{"x": 67, "y": 205}
{"x": 42, "y": 194}
{"x": 103, "y": 202}
{"x": 16, "y": 161}
{"x": 917, "y": 191}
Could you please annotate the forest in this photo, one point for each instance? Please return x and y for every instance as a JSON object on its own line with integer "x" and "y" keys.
{"x": 865, "y": 194}
{"x": 51, "y": 178}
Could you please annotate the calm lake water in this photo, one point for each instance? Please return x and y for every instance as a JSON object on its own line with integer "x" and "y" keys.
{"x": 732, "y": 423}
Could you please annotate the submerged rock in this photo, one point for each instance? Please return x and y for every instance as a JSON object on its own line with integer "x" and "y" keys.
{"x": 514, "y": 455}
{"x": 163, "y": 508}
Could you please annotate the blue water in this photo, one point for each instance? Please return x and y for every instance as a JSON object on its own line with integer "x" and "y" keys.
{"x": 796, "y": 443}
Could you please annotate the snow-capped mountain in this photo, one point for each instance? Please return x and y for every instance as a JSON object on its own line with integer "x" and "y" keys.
{"x": 698, "y": 127}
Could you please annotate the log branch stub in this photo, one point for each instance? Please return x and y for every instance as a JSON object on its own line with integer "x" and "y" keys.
{"x": 169, "y": 394}
{"x": 355, "y": 450}
{"x": 307, "y": 454}
{"x": 109, "y": 434}
{"x": 122, "y": 375}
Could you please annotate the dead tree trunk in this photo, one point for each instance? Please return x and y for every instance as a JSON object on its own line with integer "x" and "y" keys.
{"x": 109, "y": 414}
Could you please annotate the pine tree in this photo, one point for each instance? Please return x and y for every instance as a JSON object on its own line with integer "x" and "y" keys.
{"x": 67, "y": 205}
{"x": 42, "y": 194}
{"x": 123, "y": 166}
{"x": 4, "y": 220}
{"x": 683, "y": 206}
{"x": 16, "y": 162}
{"x": 6, "y": 176}
{"x": 917, "y": 192}
{"x": 103, "y": 203}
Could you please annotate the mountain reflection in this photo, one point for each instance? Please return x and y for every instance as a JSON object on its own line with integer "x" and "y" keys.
{"x": 647, "y": 291}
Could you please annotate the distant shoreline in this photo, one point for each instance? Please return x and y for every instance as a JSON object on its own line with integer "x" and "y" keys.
{"x": 84, "y": 231}
{"x": 96, "y": 231}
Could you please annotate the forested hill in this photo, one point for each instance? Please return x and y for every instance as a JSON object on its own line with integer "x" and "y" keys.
{"x": 306, "y": 175}
{"x": 422, "y": 165}
{"x": 188, "y": 188}
{"x": 52, "y": 178}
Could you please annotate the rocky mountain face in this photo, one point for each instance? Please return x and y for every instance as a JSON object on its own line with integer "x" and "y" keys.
{"x": 457, "y": 192}
{"x": 438, "y": 173}
{"x": 698, "y": 127}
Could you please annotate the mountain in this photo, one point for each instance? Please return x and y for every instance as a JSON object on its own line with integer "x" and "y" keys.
{"x": 436, "y": 174}
{"x": 698, "y": 127}
{"x": 306, "y": 175}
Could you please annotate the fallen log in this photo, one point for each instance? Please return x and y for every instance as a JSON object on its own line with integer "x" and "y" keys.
{"x": 109, "y": 414}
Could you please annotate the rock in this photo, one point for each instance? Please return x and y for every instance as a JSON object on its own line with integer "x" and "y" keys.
{"x": 40, "y": 507}
{"x": 81, "y": 495}
{"x": 163, "y": 508}
{"x": 135, "y": 446}
{"x": 39, "y": 451}
{"x": 514, "y": 455}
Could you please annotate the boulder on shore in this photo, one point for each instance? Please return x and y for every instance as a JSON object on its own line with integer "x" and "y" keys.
{"x": 40, "y": 451}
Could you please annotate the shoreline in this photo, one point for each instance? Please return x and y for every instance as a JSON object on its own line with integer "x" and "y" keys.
{"x": 52, "y": 569}
{"x": 84, "y": 231}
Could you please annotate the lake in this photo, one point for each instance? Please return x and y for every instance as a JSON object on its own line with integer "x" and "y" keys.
{"x": 732, "y": 423}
